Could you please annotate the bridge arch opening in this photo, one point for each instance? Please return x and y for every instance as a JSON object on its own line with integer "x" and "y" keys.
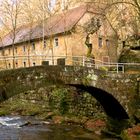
{"x": 110, "y": 104}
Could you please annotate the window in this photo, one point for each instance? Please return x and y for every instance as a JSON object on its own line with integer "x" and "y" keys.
{"x": 16, "y": 64}
{"x": 98, "y": 23}
{"x": 24, "y": 64}
{"x": 9, "y": 65}
{"x": 61, "y": 61}
{"x": 33, "y": 46}
{"x": 24, "y": 49}
{"x": 123, "y": 44}
{"x": 105, "y": 59}
{"x": 3, "y": 52}
{"x": 33, "y": 63}
{"x": 9, "y": 51}
{"x": 45, "y": 43}
{"x": 56, "y": 42}
{"x": 15, "y": 50}
{"x": 107, "y": 43}
{"x": 100, "y": 42}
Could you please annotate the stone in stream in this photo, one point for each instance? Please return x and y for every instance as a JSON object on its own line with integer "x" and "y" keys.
{"x": 25, "y": 124}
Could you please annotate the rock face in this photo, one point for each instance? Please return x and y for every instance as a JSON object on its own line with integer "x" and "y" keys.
{"x": 95, "y": 125}
{"x": 132, "y": 133}
{"x": 130, "y": 56}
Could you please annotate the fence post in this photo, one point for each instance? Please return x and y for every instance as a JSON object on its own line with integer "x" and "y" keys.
{"x": 117, "y": 67}
{"x": 123, "y": 68}
{"x": 83, "y": 61}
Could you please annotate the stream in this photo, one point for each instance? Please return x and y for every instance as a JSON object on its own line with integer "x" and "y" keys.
{"x": 28, "y": 128}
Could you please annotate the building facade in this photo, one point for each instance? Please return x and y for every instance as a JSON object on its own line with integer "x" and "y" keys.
{"x": 61, "y": 40}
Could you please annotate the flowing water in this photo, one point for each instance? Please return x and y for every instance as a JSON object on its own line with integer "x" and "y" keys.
{"x": 15, "y": 128}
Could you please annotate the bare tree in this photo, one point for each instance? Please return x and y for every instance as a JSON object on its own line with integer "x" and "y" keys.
{"x": 134, "y": 3}
{"x": 46, "y": 11}
{"x": 124, "y": 18}
{"x": 5, "y": 62}
{"x": 126, "y": 13}
{"x": 10, "y": 16}
{"x": 30, "y": 19}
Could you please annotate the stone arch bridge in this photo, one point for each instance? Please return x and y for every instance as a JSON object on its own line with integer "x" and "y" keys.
{"x": 124, "y": 87}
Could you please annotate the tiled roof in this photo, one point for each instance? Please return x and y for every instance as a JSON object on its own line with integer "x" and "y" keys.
{"x": 53, "y": 25}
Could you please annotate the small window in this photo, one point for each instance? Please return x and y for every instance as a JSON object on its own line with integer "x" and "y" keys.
{"x": 61, "y": 61}
{"x": 100, "y": 42}
{"x": 16, "y": 64}
{"x": 33, "y": 63}
{"x": 56, "y": 42}
{"x": 9, "y": 65}
{"x": 107, "y": 43}
{"x": 123, "y": 44}
{"x": 24, "y": 49}
{"x": 9, "y": 51}
{"x": 16, "y": 50}
{"x": 24, "y": 64}
{"x": 45, "y": 43}
{"x": 98, "y": 22}
{"x": 3, "y": 52}
{"x": 45, "y": 63}
{"x": 33, "y": 46}
{"x": 105, "y": 59}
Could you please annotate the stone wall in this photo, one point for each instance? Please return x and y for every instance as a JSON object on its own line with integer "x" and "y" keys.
{"x": 122, "y": 86}
{"x": 53, "y": 100}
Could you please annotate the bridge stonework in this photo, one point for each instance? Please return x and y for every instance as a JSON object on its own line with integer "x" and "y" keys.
{"x": 124, "y": 87}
